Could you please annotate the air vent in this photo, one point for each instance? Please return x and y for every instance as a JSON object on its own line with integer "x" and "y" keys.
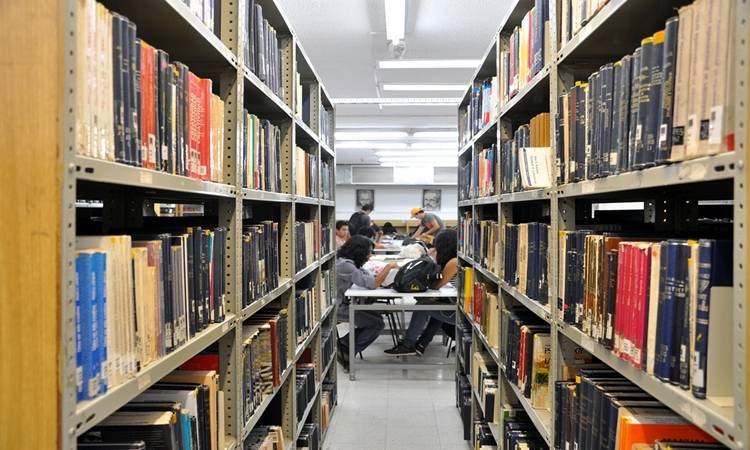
{"x": 372, "y": 175}
{"x": 445, "y": 175}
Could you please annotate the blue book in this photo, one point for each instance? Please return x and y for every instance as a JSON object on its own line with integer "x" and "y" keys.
{"x": 714, "y": 270}
{"x": 186, "y": 427}
{"x": 99, "y": 266}
{"x": 680, "y": 309}
{"x": 83, "y": 324}
{"x": 666, "y": 323}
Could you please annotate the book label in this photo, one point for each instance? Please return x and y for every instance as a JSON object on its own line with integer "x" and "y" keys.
{"x": 715, "y": 131}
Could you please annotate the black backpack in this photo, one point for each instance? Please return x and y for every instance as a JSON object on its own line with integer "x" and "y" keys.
{"x": 417, "y": 276}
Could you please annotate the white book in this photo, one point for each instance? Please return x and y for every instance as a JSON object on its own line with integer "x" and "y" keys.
{"x": 535, "y": 166}
{"x": 653, "y": 307}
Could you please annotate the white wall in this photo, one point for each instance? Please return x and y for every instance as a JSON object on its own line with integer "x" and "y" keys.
{"x": 394, "y": 202}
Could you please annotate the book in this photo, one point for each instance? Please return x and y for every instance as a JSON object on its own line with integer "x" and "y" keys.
{"x": 525, "y": 257}
{"x": 260, "y": 260}
{"x": 261, "y": 154}
{"x": 262, "y": 49}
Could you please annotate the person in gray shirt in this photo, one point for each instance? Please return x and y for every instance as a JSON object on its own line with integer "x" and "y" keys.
{"x": 368, "y": 324}
{"x": 430, "y": 224}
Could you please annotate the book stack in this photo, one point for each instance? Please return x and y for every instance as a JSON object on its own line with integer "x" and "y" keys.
{"x": 483, "y": 439}
{"x": 485, "y": 379}
{"x": 463, "y": 401}
{"x": 261, "y": 154}
{"x": 485, "y": 167}
{"x": 185, "y": 409}
{"x": 525, "y": 256}
{"x": 307, "y": 248}
{"x": 466, "y": 233}
{"x": 465, "y": 184}
{"x": 265, "y": 437}
{"x": 519, "y": 432}
{"x": 326, "y": 238}
{"x": 306, "y": 304}
{"x": 524, "y": 52}
{"x": 485, "y": 311}
{"x": 525, "y": 348}
{"x": 668, "y": 101}
{"x": 260, "y": 260}
{"x": 526, "y": 159}
{"x": 138, "y": 300}
{"x": 309, "y": 437}
{"x": 662, "y": 306}
{"x": 304, "y": 387}
{"x": 327, "y": 169}
{"x": 262, "y": 52}
{"x": 306, "y": 167}
{"x": 574, "y": 14}
{"x": 601, "y": 409}
{"x": 326, "y": 126}
{"x": 264, "y": 357}
{"x": 488, "y": 246}
{"x": 138, "y": 108}
{"x": 483, "y": 105}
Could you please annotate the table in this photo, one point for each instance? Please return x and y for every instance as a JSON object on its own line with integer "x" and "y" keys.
{"x": 387, "y": 250}
{"x": 400, "y": 302}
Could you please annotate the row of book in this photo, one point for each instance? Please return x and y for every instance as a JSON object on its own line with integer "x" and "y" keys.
{"x": 306, "y": 176}
{"x": 307, "y": 244}
{"x": 138, "y": 299}
{"x": 671, "y": 100}
{"x": 524, "y": 53}
{"x": 261, "y": 154}
{"x": 264, "y": 357}
{"x": 205, "y": 11}
{"x": 484, "y": 310}
{"x": 525, "y": 256}
{"x": 519, "y": 433}
{"x": 185, "y": 409}
{"x": 265, "y": 437}
{"x": 260, "y": 260}
{"x": 483, "y": 105}
{"x": 327, "y": 183}
{"x": 463, "y": 403}
{"x": 327, "y": 289}
{"x": 304, "y": 387}
{"x": 465, "y": 183}
{"x": 309, "y": 437}
{"x": 326, "y": 126}
{"x": 599, "y": 409}
{"x": 136, "y": 107}
{"x": 574, "y": 14}
{"x": 485, "y": 178}
{"x": 303, "y": 99}
{"x": 525, "y": 160}
{"x": 480, "y": 240}
{"x": 328, "y": 402}
{"x": 483, "y": 438}
{"x": 662, "y": 306}
{"x": 326, "y": 239}
{"x": 485, "y": 381}
{"x": 262, "y": 50}
{"x": 307, "y": 304}
{"x": 327, "y": 345}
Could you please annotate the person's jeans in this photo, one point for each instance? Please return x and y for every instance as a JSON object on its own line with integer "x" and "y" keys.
{"x": 368, "y": 325}
{"x": 425, "y": 324}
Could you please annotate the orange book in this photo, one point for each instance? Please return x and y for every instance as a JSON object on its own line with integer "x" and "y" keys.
{"x": 645, "y": 426}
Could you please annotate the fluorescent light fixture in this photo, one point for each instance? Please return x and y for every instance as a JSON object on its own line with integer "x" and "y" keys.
{"x": 395, "y": 20}
{"x": 419, "y": 159}
{"x": 425, "y": 87}
{"x": 370, "y": 145}
{"x": 419, "y": 104}
{"x": 453, "y": 135}
{"x": 420, "y": 164}
{"x": 370, "y": 135}
{"x": 435, "y": 145}
{"x": 425, "y": 101}
{"x": 429, "y": 64}
{"x": 421, "y": 153}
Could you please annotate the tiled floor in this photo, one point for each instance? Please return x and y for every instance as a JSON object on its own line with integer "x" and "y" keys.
{"x": 394, "y": 410}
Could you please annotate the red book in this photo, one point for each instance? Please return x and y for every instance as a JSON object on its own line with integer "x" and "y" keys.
{"x": 205, "y": 138}
{"x": 639, "y": 307}
{"x": 202, "y": 362}
{"x": 521, "y": 357}
{"x": 148, "y": 106}
{"x": 195, "y": 115}
{"x": 620, "y": 297}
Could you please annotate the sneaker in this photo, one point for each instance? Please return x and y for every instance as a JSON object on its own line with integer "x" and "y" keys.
{"x": 402, "y": 349}
{"x": 420, "y": 348}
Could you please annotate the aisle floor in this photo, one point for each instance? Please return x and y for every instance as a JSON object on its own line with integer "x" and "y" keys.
{"x": 396, "y": 409}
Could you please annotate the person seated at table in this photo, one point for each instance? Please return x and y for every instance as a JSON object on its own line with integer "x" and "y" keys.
{"x": 367, "y": 324}
{"x": 370, "y": 233}
{"x": 389, "y": 229}
{"x": 342, "y": 233}
{"x": 425, "y": 324}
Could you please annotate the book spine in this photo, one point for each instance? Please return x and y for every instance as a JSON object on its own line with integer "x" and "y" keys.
{"x": 633, "y": 122}
{"x": 651, "y": 137}
{"x": 83, "y": 324}
{"x": 669, "y": 70}
{"x": 680, "y": 311}
{"x": 700, "y": 357}
{"x": 606, "y": 163}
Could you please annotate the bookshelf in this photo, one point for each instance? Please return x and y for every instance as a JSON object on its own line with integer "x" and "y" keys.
{"x": 56, "y": 176}
{"x": 670, "y": 194}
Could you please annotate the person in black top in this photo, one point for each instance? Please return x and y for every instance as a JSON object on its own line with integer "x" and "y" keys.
{"x": 360, "y": 219}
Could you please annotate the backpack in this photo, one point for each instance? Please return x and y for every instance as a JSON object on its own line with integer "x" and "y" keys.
{"x": 417, "y": 276}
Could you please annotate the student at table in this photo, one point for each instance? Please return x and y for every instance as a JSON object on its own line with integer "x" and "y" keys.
{"x": 429, "y": 224}
{"x": 425, "y": 324}
{"x": 370, "y": 233}
{"x": 389, "y": 229}
{"x": 342, "y": 233}
{"x": 368, "y": 324}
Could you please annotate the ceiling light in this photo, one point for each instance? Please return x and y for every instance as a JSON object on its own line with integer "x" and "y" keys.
{"x": 419, "y": 163}
{"x": 395, "y": 20}
{"x": 370, "y": 145}
{"x": 370, "y": 135}
{"x": 420, "y": 104}
{"x": 436, "y": 135}
{"x": 422, "y": 159}
{"x": 425, "y": 87}
{"x": 435, "y": 145}
{"x": 422, "y": 153}
{"x": 405, "y": 100}
{"x": 430, "y": 64}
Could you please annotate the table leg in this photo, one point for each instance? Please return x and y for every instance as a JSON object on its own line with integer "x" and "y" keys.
{"x": 352, "y": 353}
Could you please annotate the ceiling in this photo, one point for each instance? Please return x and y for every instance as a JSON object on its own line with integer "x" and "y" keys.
{"x": 345, "y": 39}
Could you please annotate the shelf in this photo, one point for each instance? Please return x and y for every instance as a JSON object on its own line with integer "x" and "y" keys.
{"x": 306, "y": 343}
{"x": 532, "y": 98}
{"x": 467, "y": 146}
{"x": 541, "y": 419}
{"x": 464, "y": 203}
{"x": 701, "y": 412}
{"x": 329, "y": 203}
{"x": 495, "y": 430}
{"x": 327, "y": 368}
{"x": 326, "y": 149}
{"x": 307, "y": 133}
{"x": 325, "y": 314}
{"x": 483, "y": 134}
{"x": 478, "y": 399}
{"x": 90, "y": 413}
{"x": 266, "y": 196}
{"x": 263, "y": 101}
{"x": 466, "y": 258}
{"x": 306, "y": 200}
{"x": 101, "y": 171}
{"x": 170, "y": 25}
{"x": 708, "y": 168}
{"x": 306, "y": 271}
{"x": 257, "y": 305}
{"x": 487, "y": 274}
{"x": 308, "y": 408}
{"x": 261, "y": 409}
{"x": 327, "y": 257}
{"x": 229, "y": 443}
{"x": 532, "y": 305}
{"x": 487, "y": 200}
{"x": 525, "y": 196}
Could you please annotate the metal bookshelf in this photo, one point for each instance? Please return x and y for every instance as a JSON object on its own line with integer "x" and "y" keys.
{"x": 170, "y": 25}
{"x": 614, "y": 31}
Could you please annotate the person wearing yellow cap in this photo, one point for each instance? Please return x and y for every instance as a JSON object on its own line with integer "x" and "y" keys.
{"x": 429, "y": 224}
